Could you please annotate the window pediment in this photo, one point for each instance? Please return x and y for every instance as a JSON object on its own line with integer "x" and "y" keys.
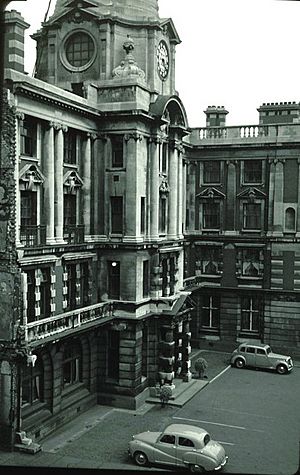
{"x": 31, "y": 176}
{"x": 72, "y": 182}
{"x": 251, "y": 193}
{"x": 211, "y": 193}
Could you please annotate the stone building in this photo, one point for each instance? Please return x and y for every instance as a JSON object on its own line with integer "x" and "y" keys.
{"x": 125, "y": 235}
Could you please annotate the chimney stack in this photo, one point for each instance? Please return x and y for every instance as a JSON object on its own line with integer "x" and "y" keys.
{"x": 15, "y": 27}
{"x": 215, "y": 116}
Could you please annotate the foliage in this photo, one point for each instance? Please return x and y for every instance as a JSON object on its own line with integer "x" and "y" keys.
{"x": 165, "y": 394}
{"x": 200, "y": 366}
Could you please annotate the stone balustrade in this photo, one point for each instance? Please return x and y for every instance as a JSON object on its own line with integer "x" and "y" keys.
{"x": 245, "y": 133}
{"x": 47, "y": 327}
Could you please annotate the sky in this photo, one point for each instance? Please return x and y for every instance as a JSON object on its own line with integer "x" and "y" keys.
{"x": 234, "y": 53}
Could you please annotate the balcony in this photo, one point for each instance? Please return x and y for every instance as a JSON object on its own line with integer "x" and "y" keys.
{"x": 74, "y": 234}
{"x": 75, "y": 319}
{"x": 32, "y": 236}
{"x": 245, "y": 134}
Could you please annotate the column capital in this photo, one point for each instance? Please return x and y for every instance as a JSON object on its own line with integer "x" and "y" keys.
{"x": 19, "y": 115}
{"x": 58, "y": 126}
{"x": 92, "y": 135}
{"x": 231, "y": 162}
{"x": 176, "y": 145}
{"x": 154, "y": 139}
{"x": 135, "y": 136}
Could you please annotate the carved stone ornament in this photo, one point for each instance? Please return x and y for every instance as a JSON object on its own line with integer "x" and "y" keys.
{"x": 164, "y": 185}
{"x": 72, "y": 182}
{"x": 128, "y": 68}
{"x": 211, "y": 193}
{"x": 251, "y": 193}
{"x": 31, "y": 176}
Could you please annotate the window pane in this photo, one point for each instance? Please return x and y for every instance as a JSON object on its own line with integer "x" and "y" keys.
{"x": 79, "y": 49}
{"x": 117, "y": 214}
{"x": 211, "y": 215}
{"x": 211, "y": 172}
{"x": 252, "y": 216}
{"x": 253, "y": 171}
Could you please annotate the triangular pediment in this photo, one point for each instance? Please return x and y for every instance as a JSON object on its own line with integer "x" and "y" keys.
{"x": 81, "y": 4}
{"x": 74, "y": 13}
{"x": 31, "y": 176}
{"x": 72, "y": 181}
{"x": 251, "y": 192}
{"x": 169, "y": 28}
{"x": 211, "y": 193}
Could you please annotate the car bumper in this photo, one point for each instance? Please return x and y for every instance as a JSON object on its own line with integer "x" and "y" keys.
{"x": 219, "y": 467}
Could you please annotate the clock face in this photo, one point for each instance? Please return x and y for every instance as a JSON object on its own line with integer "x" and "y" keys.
{"x": 162, "y": 55}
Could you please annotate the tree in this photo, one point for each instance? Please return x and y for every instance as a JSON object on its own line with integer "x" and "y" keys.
{"x": 201, "y": 366}
{"x": 165, "y": 394}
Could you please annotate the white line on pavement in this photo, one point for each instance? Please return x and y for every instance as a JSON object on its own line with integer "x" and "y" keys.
{"x": 224, "y": 443}
{"x": 218, "y": 424}
{"x": 219, "y": 374}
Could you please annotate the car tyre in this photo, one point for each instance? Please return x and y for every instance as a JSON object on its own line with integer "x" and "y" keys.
{"x": 140, "y": 459}
{"x": 281, "y": 369}
{"x": 196, "y": 469}
{"x": 239, "y": 363}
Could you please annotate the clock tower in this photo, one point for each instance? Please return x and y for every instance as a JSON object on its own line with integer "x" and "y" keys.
{"x": 83, "y": 43}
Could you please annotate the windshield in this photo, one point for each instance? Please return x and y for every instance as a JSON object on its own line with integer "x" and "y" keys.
{"x": 268, "y": 350}
{"x": 206, "y": 439}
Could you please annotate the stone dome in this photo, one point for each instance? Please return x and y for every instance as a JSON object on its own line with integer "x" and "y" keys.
{"x": 124, "y": 9}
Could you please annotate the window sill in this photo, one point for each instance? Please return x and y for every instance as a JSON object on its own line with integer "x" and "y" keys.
{"x": 70, "y": 165}
{"x": 251, "y": 231}
{"x": 29, "y": 409}
{"x": 66, "y": 391}
{"x": 249, "y": 277}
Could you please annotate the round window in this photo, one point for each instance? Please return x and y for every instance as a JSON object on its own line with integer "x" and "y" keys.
{"x": 79, "y": 49}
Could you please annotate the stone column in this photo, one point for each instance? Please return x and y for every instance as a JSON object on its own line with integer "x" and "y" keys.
{"x": 278, "y": 198}
{"x": 180, "y": 193}
{"x": 167, "y": 358}
{"x": 49, "y": 183}
{"x": 19, "y": 117}
{"x": 132, "y": 218}
{"x": 59, "y": 182}
{"x": 173, "y": 183}
{"x": 154, "y": 187}
{"x": 184, "y": 204}
{"x": 186, "y": 351}
{"x": 230, "y": 225}
{"x": 86, "y": 189}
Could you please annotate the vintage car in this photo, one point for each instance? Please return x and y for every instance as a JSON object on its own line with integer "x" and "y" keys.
{"x": 180, "y": 445}
{"x": 260, "y": 356}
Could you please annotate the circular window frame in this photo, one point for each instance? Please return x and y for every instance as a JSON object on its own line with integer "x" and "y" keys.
{"x": 63, "y": 55}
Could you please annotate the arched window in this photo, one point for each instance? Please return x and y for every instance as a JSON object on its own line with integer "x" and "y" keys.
{"x": 290, "y": 219}
{"x": 72, "y": 363}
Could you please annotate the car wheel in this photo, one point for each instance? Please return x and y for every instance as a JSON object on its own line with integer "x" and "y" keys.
{"x": 196, "y": 469}
{"x": 239, "y": 363}
{"x": 281, "y": 369}
{"x": 140, "y": 459}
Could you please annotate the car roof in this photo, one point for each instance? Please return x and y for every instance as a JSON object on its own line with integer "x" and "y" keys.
{"x": 186, "y": 429}
{"x": 257, "y": 345}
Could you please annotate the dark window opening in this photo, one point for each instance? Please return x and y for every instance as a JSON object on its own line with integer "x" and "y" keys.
{"x": 113, "y": 280}
{"x": 162, "y": 214}
{"x": 253, "y": 171}
{"x": 69, "y": 210}
{"x": 116, "y": 206}
{"x": 77, "y": 88}
{"x": 33, "y": 383}
{"x": 252, "y": 215}
{"x": 28, "y": 208}
{"x": 45, "y": 293}
{"x": 164, "y": 277}
{"x": 211, "y": 172}
{"x": 28, "y": 135}
{"x": 117, "y": 151}
{"x": 146, "y": 279}
{"x": 211, "y": 215}
{"x": 143, "y": 214}
{"x": 70, "y": 146}
{"x": 211, "y": 311}
{"x": 72, "y": 364}
{"x": 79, "y": 49}
{"x": 250, "y": 309}
{"x": 113, "y": 354}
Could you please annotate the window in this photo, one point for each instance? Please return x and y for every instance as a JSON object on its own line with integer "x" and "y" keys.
{"x": 28, "y": 208}
{"x": 211, "y": 172}
{"x": 113, "y": 358}
{"x": 143, "y": 214}
{"x": 252, "y": 171}
{"x": 45, "y": 295}
{"x": 251, "y": 264}
{"x": 250, "y": 349}
{"x": 84, "y": 284}
{"x": 70, "y": 146}
{"x": 163, "y": 214}
{"x": 28, "y": 136}
{"x": 116, "y": 206}
{"x": 71, "y": 285}
{"x": 185, "y": 442}
{"x": 210, "y": 260}
{"x": 79, "y": 49}
{"x": 250, "y": 309}
{"x": 117, "y": 151}
{"x": 211, "y": 215}
{"x": 69, "y": 210}
{"x": 172, "y": 275}
{"x": 164, "y": 158}
{"x": 260, "y": 351}
{"x": 252, "y": 216}
{"x": 290, "y": 220}
{"x": 243, "y": 349}
{"x": 72, "y": 363}
{"x": 146, "y": 279}
{"x": 168, "y": 439}
{"x": 113, "y": 268}
{"x": 164, "y": 277}
{"x": 32, "y": 383}
{"x": 211, "y": 311}
{"x": 30, "y": 295}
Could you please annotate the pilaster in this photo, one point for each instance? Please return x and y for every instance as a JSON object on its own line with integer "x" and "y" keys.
{"x": 173, "y": 196}
{"x": 19, "y": 117}
{"x": 86, "y": 188}
{"x": 49, "y": 185}
{"x": 154, "y": 143}
{"x": 59, "y": 178}
{"x": 278, "y": 198}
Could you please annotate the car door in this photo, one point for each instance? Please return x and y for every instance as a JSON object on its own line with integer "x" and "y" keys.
{"x": 250, "y": 356}
{"x": 185, "y": 445}
{"x": 165, "y": 449}
{"x": 261, "y": 358}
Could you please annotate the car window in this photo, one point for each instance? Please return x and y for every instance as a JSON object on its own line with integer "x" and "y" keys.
{"x": 168, "y": 439}
{"x": 206, "y": 439}
{"x": 186, "y": 442}
{"x": 250, "y": 349}
{"x": 260, "y": 351}
{"x": 242, "y": 349}
{"x": 268, "y": 350}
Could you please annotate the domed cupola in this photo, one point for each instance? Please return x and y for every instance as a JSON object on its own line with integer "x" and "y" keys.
{"x": 137, "y": 10}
